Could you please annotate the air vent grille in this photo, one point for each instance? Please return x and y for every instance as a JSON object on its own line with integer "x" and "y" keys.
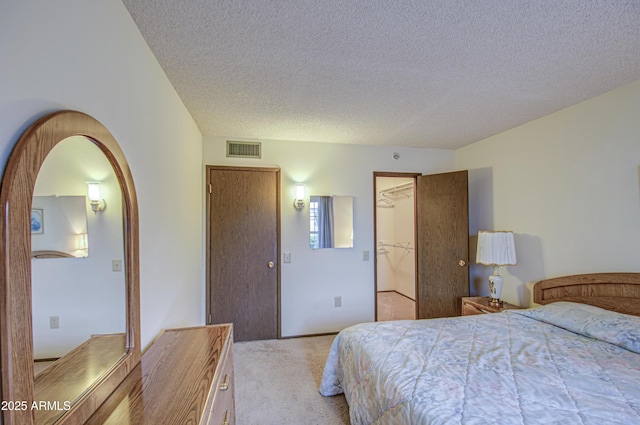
{"x": 244, "y": 149}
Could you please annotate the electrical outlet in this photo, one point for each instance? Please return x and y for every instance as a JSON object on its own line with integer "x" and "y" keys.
{"x": 365, "y": 255}
{"x": 54, "y": 322}
{"x": 337, "y": 302}
{"x": 287, "y": 257}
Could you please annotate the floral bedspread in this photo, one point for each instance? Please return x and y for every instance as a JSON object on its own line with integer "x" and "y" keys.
{"x": 515, "y": 367}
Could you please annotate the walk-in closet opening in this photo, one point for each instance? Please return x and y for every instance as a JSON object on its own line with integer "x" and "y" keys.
{"x": 395, "y": 246}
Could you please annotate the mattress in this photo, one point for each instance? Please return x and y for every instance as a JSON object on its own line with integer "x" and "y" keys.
{"x": 564, "y": 363}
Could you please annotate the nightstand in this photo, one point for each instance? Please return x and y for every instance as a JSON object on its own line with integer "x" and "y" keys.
{"x": 480, "y": 305}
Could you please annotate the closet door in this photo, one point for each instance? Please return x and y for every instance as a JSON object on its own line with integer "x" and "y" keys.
{"x": 243, "y": 224}
{"x": 442, "y": 242}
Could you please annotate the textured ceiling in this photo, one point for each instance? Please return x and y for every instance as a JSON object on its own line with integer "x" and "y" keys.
{"x": 427, "y": 73}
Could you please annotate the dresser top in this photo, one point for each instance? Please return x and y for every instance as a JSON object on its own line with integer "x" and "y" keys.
{"x": 172, "y": 382}
{"x": 67, "y": 378}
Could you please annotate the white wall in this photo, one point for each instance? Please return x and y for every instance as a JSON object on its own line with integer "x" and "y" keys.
{"x": 567, "y": 185}
{"x": 313, "y": 278}
{"x": 385, "y": 232}
{"x": 89, "y": 56}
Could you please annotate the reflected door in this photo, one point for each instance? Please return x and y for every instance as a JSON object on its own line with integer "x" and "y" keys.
{"x": 242, "y": 250}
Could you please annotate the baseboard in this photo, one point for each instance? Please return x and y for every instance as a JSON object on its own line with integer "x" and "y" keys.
{"x": 308, "y": 336}
{"x": 400, "y": 293}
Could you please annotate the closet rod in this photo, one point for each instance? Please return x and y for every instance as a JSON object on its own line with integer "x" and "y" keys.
{"x": 403, "y": 245}
{"x": 398, "y": 188}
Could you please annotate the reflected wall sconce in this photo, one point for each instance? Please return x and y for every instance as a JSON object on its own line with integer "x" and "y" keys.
{"x": 495, "y": 249}
{"x": 82, "y": 243}
{"x": 95, "y": 199}
{"x": 298, "y": 202}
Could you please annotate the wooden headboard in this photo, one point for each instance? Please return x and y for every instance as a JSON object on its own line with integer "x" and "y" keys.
{"x": 613, "y": 291}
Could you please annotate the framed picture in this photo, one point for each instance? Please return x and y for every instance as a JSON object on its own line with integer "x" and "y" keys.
{"x": 37, "y": 222}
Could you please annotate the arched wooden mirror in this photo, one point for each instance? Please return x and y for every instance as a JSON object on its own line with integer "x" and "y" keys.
{"x": 87, "y": 370}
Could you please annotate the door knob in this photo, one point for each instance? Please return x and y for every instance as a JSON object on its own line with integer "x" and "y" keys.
{"x": 462, "y": 263}
{"x": 271, "y": 264}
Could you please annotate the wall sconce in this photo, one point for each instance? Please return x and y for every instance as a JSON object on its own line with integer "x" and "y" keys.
{"x": 96, "y": 201}
{"x": 298, "y": 202}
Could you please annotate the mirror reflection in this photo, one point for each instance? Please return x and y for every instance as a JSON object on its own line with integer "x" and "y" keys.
{"x": 331, "y": 222}
{"x": 65, "y": 235}
{"x": 78, "y": 305}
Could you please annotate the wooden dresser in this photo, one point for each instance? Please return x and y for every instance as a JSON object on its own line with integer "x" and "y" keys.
{"x": 185, "y": 377}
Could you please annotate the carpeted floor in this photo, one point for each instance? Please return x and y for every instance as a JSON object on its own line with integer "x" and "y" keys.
{"x": 395, "y": 306}
{"x": 276, "y": 382}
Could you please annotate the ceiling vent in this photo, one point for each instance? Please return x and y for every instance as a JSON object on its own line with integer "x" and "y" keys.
{"x": 244, "y": 149}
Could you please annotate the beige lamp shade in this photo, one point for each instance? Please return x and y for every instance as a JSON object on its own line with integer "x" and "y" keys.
{"x": 495, "y": 248}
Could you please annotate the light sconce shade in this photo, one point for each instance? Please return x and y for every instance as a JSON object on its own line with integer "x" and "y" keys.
{"x": 95, "y": 199}
{"x": 495, "y": 249}
{"x": 298, "y": 202}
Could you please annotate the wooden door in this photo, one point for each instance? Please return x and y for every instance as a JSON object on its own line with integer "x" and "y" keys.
{"x": 243, "y": 228}
{"x": 442, "y": 242}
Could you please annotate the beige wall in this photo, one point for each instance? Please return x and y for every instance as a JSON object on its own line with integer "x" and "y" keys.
{"x": 567, "y": 185}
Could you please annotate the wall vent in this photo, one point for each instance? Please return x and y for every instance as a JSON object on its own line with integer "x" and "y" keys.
{"x": 244, "y": 149}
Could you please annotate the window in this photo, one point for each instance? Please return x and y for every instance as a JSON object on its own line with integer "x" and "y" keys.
{"x": 313, "y": 224}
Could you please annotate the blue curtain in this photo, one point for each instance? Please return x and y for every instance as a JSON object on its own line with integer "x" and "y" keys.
{"x": 325, "y": 222}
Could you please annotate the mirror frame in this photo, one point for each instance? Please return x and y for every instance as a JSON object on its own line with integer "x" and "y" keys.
{"x": 16, "y": 334}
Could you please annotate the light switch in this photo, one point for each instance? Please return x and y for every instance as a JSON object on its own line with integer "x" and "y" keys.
{"x": 116, "y": 265}
{"x": 54, "y": 322}
{"x": 365, "y": 255}
{"x": 287, "y": 257}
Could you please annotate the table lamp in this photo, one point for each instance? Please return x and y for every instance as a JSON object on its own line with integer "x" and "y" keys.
{"x": 495, "y": 248}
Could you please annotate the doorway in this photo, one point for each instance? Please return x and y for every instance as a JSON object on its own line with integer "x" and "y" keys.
{"x": 243, "y": 250}
{"x": 441, "y": 250}
{"x": 395, "y": 246}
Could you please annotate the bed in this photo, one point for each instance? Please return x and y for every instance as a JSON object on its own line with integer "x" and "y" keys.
{"x": 575, "y": 359}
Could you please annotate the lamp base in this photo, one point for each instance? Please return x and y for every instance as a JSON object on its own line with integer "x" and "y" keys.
{"x": 495, "y": 302}
{"x": 495, "y": 289}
